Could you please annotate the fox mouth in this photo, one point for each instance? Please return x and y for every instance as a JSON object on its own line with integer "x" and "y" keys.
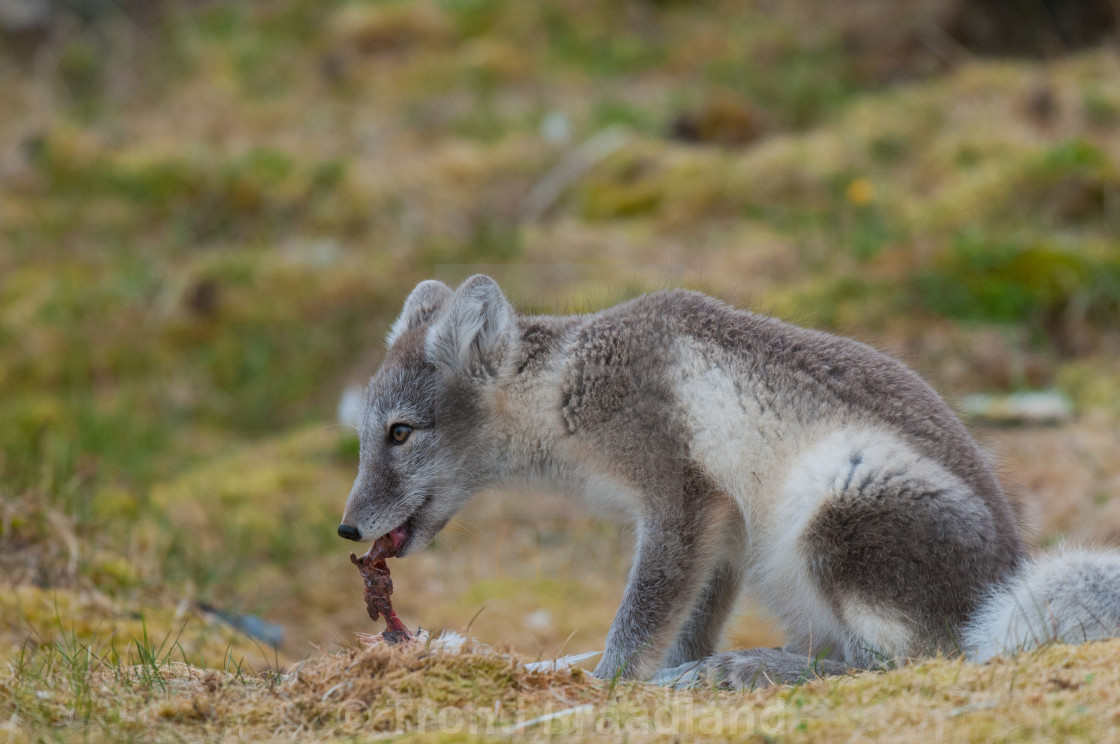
{"x": 399, "y": 537}
{"x": 402, "y": 534}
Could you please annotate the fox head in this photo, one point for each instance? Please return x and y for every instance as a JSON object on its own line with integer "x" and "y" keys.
{"x": 427, "y": 439}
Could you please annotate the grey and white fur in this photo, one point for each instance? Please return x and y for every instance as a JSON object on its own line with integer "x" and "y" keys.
{"x": 824, "y": 476}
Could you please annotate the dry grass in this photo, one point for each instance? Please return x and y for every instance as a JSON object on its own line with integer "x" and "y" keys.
{"x": 1056, "y": 693}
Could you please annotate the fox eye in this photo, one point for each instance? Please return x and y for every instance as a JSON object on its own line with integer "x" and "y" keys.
{"x": 398, "y": 433}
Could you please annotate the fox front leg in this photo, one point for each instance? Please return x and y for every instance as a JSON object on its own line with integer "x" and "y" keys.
{"x": 701, "y": 632}
{"x": 665, "y": 582}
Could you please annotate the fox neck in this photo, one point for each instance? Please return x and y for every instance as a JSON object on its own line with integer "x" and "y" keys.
{"x": 524, "y": 409}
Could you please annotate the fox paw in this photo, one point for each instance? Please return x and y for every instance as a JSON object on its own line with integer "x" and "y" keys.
{"x": 750, "y": 669}
{"x": 757, "y": 668}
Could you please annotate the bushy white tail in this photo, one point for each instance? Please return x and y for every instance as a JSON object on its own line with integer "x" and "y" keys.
{"x": 1068, "y": 595}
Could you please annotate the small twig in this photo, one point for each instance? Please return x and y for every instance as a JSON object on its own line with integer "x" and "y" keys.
{"x": 938, "y": 41}
{"x": 974, "y": 707}
{"x": 548, "y": 717}
{"x": 578, "y": 162}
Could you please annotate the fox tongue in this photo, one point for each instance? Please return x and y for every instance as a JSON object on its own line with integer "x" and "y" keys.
{"x": 398, "y": 536}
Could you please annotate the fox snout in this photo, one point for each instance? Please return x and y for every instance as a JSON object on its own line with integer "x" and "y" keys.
{"x": 349, "y": 533}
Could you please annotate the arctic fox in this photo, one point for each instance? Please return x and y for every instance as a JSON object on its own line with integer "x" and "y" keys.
{"x": 823, "y": 475}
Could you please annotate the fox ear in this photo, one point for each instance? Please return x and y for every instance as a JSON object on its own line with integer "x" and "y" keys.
{"x": 420, "y": 307}
{"x": 475, "y": 334}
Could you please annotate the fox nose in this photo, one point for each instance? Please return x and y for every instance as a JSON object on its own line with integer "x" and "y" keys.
{"x": 348, "y": 532}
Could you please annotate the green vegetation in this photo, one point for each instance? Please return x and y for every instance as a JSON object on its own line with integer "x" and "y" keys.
{"x": 210, "y": 212}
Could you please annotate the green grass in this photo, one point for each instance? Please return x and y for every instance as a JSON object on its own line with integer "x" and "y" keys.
{"x": 1007, "y": 280}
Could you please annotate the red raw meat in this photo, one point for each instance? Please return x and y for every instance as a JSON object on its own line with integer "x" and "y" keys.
{"x": 379, "y": 586}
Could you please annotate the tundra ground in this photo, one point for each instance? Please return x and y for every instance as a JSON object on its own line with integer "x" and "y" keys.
{"x": 210, "y": 212}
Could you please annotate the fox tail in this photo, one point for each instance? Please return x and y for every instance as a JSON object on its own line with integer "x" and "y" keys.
{"x": 1068, "y": 595}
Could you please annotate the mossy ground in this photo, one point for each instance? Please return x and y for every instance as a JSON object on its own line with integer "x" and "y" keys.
{"x": 209, "y": 214}
{"x": 1058, "y": 693}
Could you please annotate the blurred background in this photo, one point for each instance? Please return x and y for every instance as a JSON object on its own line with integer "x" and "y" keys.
{"x": 210, "y": 212}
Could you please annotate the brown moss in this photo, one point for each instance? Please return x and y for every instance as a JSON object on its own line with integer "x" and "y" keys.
{"x": 389, "y": 27}
{"x": 722, "y": 118}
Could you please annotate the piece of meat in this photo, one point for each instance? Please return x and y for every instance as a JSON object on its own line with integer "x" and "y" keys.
{"x": 379, "y": 586}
